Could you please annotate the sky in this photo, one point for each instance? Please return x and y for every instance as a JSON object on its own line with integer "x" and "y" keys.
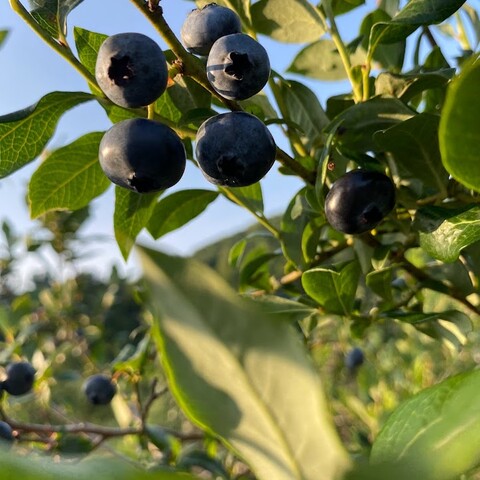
{"x": 30, "y": 69}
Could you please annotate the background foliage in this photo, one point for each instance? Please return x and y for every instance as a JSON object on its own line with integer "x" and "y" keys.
{"x": 232, "y": 364}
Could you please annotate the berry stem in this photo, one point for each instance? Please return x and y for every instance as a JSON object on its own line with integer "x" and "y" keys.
{"x": 230, "y": 194}
{"x": 330, "y": 26}
{"x": 60, "y": 47}
{"x": 191, "y": 65}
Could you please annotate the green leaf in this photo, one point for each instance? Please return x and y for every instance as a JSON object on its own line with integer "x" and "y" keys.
{"x": 380, "y": 282}
{"x": 414, "y": 146}
{"x": 28, "y": 468}
{"x": 344, "y": 6}
{"x": 459, "y": 133}
{"x": 322, "y": 61}
{"x": 88, "y": 43}
{"x": 416, "y": 13}
{"x": 52, "y": 15}
{"x": 449, "y": 232}
{"x": 132, "y": 213}
{"x": 177, "y": 209}
{"x": 388, "y": 56}
{"x": 357, "y": 124}
{"x": 226, "y": 363}
{"x": 24, "y": 134}
{"x": 406, "y": 87}
{"x": 291, "y": 21}
{"x": 335, "y": 291}
{"x": 294, "y": 222}
{"x": 303, "y": 109}
{"x": 69, "y": 178}
{"x": 435, "y": 434}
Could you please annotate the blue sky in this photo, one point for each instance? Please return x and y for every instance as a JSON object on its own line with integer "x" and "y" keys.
{"x": 31, "y": 69}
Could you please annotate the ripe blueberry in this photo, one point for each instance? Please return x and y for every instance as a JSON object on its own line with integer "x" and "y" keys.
{"x": 234, "y": 149}
{"x": 99, "y": 389}
{"x": 237, "y": 66}
{"x": 203, "y": 26}
{"x": 6, "y": 434}
{"x": 131, "y": 70}
{"x": 20, "y": 377}
{"x": 359, "y": 200}
{"x": 354, "y": 358}
{"x": 142, "y": 155}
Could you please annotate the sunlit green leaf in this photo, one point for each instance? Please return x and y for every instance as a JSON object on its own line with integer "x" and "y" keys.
{"x": 69, "y": 178}
{"x": 88, "y": 43}
{"x": 445, "y": 233}
{"x": 227, "y": 362}
{"x": 24, "y": 134}
{"x": 459, "y": 135}
{"x": 335, "y": 291}
{"x": 435, "y": 434}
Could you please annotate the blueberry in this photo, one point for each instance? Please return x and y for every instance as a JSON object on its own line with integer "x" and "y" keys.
{"x": 20, "y": 377}
{"x": 99, "y": 389}
{"x": 237, "y": 66}
{"x": 6, "y": 433}
{"x": 142, "y": 155}
{"x": 131, "y": 70}
{"x": 234, "y": 149}
{"x": 203, "y": 26}
{"x": 359, "y": 200}
{"x": 354, "y": 358}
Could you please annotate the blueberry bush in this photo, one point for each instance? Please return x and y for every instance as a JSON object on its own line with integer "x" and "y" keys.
{"x": 338, "y": 340}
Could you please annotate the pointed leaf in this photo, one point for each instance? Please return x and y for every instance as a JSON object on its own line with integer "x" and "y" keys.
{"x": 435, "y": 434}
{"x": 177, "y": 209}
{"x": 335, "y": 291}
{"x": 132, "y": 213}
{"x": 291, "y": 21}
{"x": 450, "y": 233}
{"x": 459, "y": 133}
{"x": 69, "y": 178}
{"x": 24, "y": 134}
{"x": 227, "y": 362}
{"x": 52, "y": 14}
{"x": 414, "y": 146}
{"x": 414, "y": 14}
{"x": 88, "y": 43}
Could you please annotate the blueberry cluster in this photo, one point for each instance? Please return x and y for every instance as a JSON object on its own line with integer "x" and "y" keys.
{"x": 141, "y": 155}
{"x": 233, "y": 149}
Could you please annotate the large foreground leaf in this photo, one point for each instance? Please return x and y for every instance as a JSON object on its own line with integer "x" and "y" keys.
{"x": 68, "y": 179}
{"x": 459, "y": 133}
{"x": 24, "y": 134}
{"x": 240, "y": 374}
{"x": 436, "y": 434}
